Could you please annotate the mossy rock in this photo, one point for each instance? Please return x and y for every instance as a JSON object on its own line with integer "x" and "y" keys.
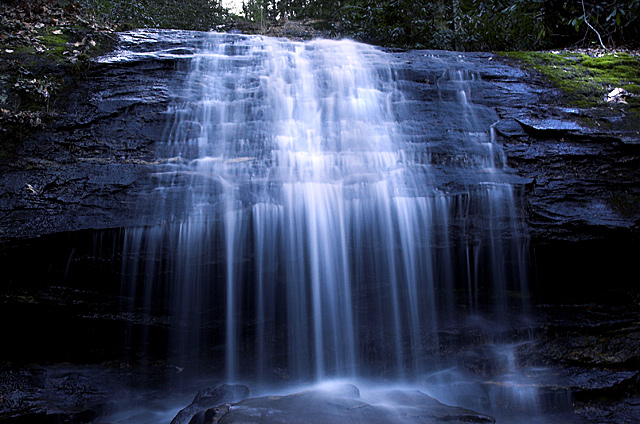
{"x": 34, "y": 70}
{"x": 586, "y": 80}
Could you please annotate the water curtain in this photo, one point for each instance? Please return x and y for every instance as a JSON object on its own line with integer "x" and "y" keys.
{"x": 308, "y": 221}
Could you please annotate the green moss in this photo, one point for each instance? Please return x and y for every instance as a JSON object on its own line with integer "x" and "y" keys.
{"x": 55, "y": 44}
{"x": 611, "y": 61}
{"x": 585, "y": 80}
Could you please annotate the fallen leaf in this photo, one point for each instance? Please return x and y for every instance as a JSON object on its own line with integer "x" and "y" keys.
{"x": 617, "y": 95}
{"x": 31, "y": 189}
{"x": 56, "y": 32}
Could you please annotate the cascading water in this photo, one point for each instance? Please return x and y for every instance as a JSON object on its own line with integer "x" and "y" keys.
{"x": 307, "y": 222}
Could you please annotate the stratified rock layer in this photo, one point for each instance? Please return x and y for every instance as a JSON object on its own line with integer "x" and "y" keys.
{"x": 85, "y": 171}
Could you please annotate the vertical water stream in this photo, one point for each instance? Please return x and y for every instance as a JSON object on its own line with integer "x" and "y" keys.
{"x": 305, "y": 224}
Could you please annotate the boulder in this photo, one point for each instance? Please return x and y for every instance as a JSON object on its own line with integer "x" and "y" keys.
{"x": 208, "y": 398}
{"x": 343, "y": 404}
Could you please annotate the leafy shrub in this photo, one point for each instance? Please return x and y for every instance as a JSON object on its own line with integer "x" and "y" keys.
{"x": 443, "y": 24}
{"x": 177, "y": 14}
{"x": 465, "y": 24}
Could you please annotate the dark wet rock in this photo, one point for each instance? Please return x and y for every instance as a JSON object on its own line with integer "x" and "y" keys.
{"x": 585, "y": 383}
{"x": 590, "y": 336}
{"x": 590, "y": 394}
{"x": 510, "y": 128}
{"x": 583, "y": 185}
{"x": 20, "y": 389}
{"x": 624, "y": 410}
{"x": 579, "y": 170}
{"x": 551, "y": 126}
{"x": 345, "y": 406}
{"x": 84, "y": 170}
{"x": 485, "y": 361}
{"x": 76, "y": 393}
{"x": 33, "y": 395}
{"x": 612, "y": 349}
{"x": 584, "y": 361}
{"x": 199, "y": 410}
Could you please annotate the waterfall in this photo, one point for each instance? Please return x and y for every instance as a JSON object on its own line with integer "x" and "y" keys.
{"x": 306, "y": 221}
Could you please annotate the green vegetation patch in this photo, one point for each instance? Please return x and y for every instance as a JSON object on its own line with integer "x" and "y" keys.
{"x": 55, "y": 41}
{"x": 588, "y": 80}
{"x": 44, "y": 46}
{"x": 203, "y": 15}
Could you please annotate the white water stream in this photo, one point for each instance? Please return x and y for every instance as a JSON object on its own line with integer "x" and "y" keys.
{"x": 306, "y": 226}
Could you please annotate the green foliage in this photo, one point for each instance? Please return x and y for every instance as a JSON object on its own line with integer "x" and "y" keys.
{"x": 463, "y": 24}
{"x": 201, "y": 15}
{"x": 616, "y": 21}
{"x": 259, "y": 11}
{"x": 495, "y": 24}
{"x": 443, "y": 24}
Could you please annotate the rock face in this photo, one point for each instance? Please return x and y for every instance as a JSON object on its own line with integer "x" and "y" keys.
{"x": 581, "y": 166}
{"x": 581, "y": 170}
{"x": 69, "y": 189}
{"x": 84, "y": 171}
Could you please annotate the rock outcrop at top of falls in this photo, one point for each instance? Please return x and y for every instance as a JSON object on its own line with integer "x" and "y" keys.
{"x": 85, "y": 170}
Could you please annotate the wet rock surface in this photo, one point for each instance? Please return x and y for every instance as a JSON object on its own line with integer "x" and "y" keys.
{"x": 84, "y": 170}
{"x": 589, "y": 355}
{"x": 203, "y": 406}
{"x": 580, "y": 166}
{"x": 343, "y": 404}
{"x": 38, "y": 395}
{"x": 595, "y": 336}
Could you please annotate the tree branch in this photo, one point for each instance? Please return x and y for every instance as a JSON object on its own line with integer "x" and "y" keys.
{"x": 584, "y": 12}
